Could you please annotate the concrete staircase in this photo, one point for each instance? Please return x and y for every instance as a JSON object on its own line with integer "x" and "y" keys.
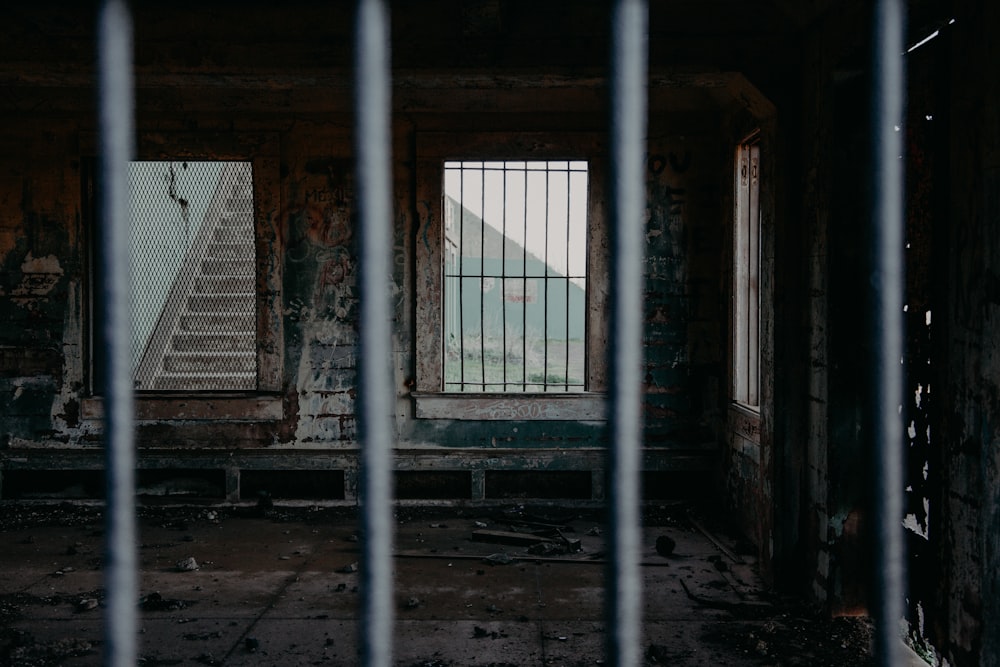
{"x": 206, "y": 337}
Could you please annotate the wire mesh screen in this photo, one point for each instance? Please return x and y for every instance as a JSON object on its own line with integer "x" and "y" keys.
{"x": 515, "y": 276}
{"x": 193, "y": 269}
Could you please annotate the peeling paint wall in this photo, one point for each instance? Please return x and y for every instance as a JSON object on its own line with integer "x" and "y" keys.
{"x": 295, "y": 121}
{"x": 41, "y": 273}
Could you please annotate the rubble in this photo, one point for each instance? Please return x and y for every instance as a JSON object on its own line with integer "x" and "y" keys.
{"x": 188, "y": 564}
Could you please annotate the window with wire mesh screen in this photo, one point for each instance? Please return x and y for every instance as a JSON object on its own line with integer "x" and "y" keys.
{"x": 515, "y": 276}
{"x": 193, "y": 262}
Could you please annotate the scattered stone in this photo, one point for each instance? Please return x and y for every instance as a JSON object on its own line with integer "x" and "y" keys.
{"x": 86, "y": 604}
{"x": 595, "y": 531}
{"x": 547, "y": 549}
{"x": 349, "y": 569}
{"x": 501, "y": 558}
{"x": 252, "y": 644}
{"x": 665, "y": 545}
{"x": 189, "y": 564}
{"x": 341, "y": 587}
{"x": 413, "y": 603}
{"x": 156, "y": 602}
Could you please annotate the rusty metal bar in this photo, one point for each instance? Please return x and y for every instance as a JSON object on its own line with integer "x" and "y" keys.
{"x": 115, "y": 112}
{"x": 627, "y": 190}
{"x": 376, "y": 397}
{"x": 888, "y": 104}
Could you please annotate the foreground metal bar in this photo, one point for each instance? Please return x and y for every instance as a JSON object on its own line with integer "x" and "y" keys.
{"x": 888, "y": 102}
{"x": 627, "y": 190}
{"x": 372, "y": 135}
{"x": 114, "y": 35}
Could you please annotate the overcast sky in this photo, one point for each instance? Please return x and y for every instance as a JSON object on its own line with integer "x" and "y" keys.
{"x": 501, "y": 192}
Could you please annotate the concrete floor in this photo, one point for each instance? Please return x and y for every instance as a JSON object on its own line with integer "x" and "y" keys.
{"x": 276, "y": 588}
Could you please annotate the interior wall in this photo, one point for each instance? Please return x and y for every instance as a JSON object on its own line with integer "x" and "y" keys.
{"x": 970, "y": 499}
{"x": 296, "y": 110}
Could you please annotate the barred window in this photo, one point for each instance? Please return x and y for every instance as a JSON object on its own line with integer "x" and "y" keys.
{"x": 193, "y": 267}
{"x": 515, "y": 276}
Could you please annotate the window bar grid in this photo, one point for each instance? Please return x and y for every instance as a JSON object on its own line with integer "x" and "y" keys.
{"x": 116, "y": 123}
{"x": 628, "y": 142}
{"x": 494, "y": 196}
{"x": 887, "y": 118}
{"x": 372, "y": 113}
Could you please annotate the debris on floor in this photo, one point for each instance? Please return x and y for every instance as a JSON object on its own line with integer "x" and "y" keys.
{"x": 703, "y": 602}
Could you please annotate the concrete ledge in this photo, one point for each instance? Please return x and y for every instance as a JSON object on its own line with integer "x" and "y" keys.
{"x": 480, "y": 464}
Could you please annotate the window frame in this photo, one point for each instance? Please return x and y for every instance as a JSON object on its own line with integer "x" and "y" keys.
{"x": 433, "y": 149}
{"x": 263, "y": 403}
{"x": 746, "y": 281}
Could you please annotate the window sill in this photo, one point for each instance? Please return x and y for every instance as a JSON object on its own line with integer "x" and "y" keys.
{"x": 202, "y": 408}
{"x": 745, "y": 421}
{"x": 529, "y": 407}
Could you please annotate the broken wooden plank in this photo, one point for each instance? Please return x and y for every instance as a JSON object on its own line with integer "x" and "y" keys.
{"x": 507, "y": 537}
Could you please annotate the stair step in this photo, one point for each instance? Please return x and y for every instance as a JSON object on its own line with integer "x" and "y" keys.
{"x": 228, "y": 267}
{"x": 222, "y": 303}
{"x": 203, "y": 382}
{"x": 224, "y": 285}
{"x": 233, "y": 234}
{"x": 235, "y": 323}
{"x": 197, "y": 342}
{"x": 217, "y": 362}
{"x": 240, "y": 205}
{"x": 240, "y": 251}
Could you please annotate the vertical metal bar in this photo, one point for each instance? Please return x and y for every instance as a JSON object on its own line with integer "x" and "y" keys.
{"x": 461, "y": 276}
{"x": 503, "y": 278}
{"x": 524, "y": 289}
{"x": 753, "y": 284}
{"x": 627, "y": 190}
{"x": 376, "y": 398}
{"x": 888, "y": 102}
{"x": 115, "y": 111}
{"x": 568, "y": 274}
{"x": 482, "y": 274}
{"x": 545, "y": 281}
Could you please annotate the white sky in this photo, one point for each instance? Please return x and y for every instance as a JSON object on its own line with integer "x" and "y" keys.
{"x": 504, "y": 193}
